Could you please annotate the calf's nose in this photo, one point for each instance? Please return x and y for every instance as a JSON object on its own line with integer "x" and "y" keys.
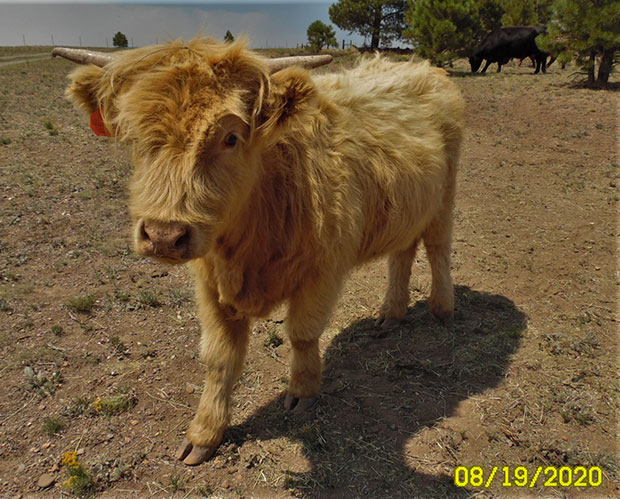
{"x": 170, "y": 240}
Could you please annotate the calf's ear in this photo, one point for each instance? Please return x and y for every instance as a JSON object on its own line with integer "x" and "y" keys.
{"x": 85, "y": 84}
{"x": 290, "y": 92}
{"x": 90, "y": 91}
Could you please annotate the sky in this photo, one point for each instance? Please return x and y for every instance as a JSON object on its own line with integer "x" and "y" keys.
{"x": 145, "y": 22}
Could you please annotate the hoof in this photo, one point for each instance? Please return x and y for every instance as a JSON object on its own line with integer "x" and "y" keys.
{"x": 299, "y": 404}
{"x": 193, "y": 455}
{"x": 446, "y": 317}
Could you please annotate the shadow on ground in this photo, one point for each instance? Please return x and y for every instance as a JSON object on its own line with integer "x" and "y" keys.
{"x": 381, "y": 388}
{"x": 459, "y": 73}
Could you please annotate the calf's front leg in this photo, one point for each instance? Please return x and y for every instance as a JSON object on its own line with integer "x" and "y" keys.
{"x": 308, "y": 315}
{"x": 224, "y": 346}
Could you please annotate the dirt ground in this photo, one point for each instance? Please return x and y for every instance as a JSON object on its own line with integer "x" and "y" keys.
{"x": 99, "y": 347}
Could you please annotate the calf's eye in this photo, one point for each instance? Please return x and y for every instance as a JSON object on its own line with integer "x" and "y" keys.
{"x": 230, "y": 140}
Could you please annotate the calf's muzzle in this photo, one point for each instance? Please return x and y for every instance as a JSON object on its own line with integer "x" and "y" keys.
{"x": 166, "y": 240}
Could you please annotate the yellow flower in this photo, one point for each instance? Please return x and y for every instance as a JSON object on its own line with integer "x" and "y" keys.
{"x": 97, "y": 404}
{"x": 69, "y": 482}
{"x": 69, "y": 459}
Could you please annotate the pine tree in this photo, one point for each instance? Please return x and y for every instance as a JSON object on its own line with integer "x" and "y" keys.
{"x": 228, "y": 37}
{"x": 381, "y": 20}
{"x": 119, "y": 40}
{"x": 519, "y": 13}
{"x": 588, "y": 29}
{"x": 443, "y": 30}
{"x": 321, "y": 35}
{"x": 490, "y": 13}
{"x": 544, "y": 11}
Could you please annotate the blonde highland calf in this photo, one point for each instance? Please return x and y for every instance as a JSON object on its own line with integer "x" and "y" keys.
{"x": 272, "y": 184}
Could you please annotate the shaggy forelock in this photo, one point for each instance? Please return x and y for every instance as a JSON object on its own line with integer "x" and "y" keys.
{"x": 163, "y": 99}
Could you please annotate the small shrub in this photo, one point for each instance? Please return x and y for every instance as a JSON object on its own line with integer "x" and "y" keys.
{"x": 176, "y": 482}
{"x": 273, "y": 340}
{"x": 119, "y": 346}
{"x": 52, "y": 426}
{"x": 5, "y": 141}
{"x": 83, "y": 303}
{"x": 574, "y": 411}
{"x": 205, "y": 491}
{"x": 79, "y": 482}
{"x": 149, "y": 299}
{"x": 87, "y": 328}
{"x": 78, "y": 407}
{"x": 181, "y": 296}
{"x": 57, "y": 330}
{"x": 51, "y": 127}
{"x": 114, "y": 404}
{"x": 42, "y": 384}
{"x": 120, "y": 295}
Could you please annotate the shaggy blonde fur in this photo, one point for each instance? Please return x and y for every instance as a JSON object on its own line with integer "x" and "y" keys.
{"x": 329, "y": 171}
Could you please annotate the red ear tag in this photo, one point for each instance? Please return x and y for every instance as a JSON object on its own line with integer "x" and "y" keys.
{"x": 97, "y": 125}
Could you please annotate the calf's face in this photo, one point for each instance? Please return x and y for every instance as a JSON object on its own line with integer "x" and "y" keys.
{"x": 180, "y": 201}
{"x": 198, "y": 123}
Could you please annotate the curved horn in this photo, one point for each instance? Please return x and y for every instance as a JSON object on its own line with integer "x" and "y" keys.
{"x": 83, "y": 56}
{"x": 306, "y": 61}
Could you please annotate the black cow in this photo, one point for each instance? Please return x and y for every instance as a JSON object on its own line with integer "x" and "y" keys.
{"x": 503, "y": 44}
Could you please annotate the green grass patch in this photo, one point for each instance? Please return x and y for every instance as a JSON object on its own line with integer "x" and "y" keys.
{"x": 107, "y": 405}
{"x": 121, "y": 295}
{"x": 273, "y": 340}
{"x": 149, "y": 299}
{"x": 83, "y": 303}
{"x": 78, "y": 406}
{"x": 38, "y": 356}
{"x": 53, "y": 426}
{"x": 176, "y": 482}
{"x": 181, "y": 296}
{"x": 15, "y": 289}
{"x": 117, "y": 403}
{"x": 118, "y": 346}
{"x": 51, "y": 127}
{"x": 43, "y": 384}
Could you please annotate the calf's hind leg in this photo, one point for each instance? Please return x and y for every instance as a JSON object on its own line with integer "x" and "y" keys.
{"x": 396, "y": 300}
{"x": 437, "y": 241}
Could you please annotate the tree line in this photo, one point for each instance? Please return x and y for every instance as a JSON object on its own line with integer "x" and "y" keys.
{"x": 445, "y": 30}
